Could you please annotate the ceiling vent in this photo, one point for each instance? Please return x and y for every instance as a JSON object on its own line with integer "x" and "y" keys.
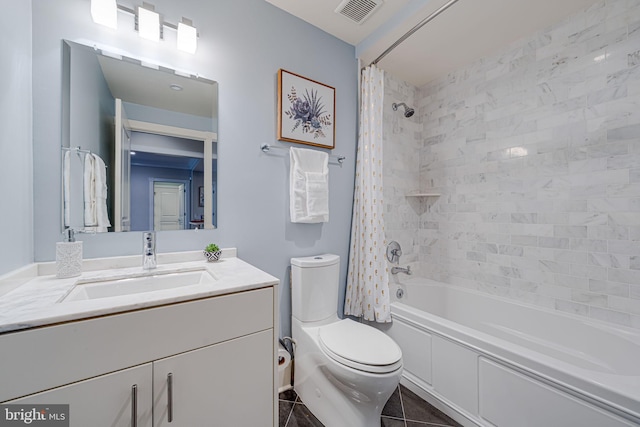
{"x": 358, "y": 10}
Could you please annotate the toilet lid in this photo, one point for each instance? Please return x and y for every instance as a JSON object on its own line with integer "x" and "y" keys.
{"x": 360, "y": 346}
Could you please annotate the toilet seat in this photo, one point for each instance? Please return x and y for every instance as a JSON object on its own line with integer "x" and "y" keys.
{"x": 360, "y": 347}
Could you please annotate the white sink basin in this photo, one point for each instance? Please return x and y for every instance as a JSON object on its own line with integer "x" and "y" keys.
{"x": 150, "y": 282}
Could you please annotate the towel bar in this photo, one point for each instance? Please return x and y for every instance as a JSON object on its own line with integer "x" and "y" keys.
{"x": 76, "y": 149}
{"x": 79, "y": 151}
{"x": 266, "y": 147}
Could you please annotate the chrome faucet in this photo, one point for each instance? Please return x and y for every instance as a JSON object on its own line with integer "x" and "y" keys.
{"x": 394, "y": 252}
{"x": 149, "y": 250}
{"x": 396, "y": 270}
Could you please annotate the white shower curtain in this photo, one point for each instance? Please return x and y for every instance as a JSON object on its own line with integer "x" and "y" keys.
{"x": 367, "y": 292}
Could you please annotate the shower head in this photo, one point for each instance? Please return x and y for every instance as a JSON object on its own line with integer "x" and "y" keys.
{"x": 408, "y": 111}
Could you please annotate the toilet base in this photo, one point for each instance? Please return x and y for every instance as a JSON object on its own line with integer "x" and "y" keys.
{"x": 339, "y": 396}
{"x": 333, "y": 410}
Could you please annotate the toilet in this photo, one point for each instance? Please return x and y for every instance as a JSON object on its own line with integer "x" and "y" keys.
{"x": 345, "y": 371}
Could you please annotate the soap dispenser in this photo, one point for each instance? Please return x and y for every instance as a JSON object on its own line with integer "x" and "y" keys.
{"x": 68, "y": 256}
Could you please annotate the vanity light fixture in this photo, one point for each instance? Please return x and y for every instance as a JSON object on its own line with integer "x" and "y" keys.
{"x": 105, "y": 12}
{"x": 187, "y": 36}
{"x": 148, "y": 22}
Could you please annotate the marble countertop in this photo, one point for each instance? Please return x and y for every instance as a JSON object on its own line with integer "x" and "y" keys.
{"x": 32, "y": 296}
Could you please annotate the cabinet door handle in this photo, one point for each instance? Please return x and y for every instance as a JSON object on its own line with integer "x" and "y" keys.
{"x": 169, "y": 397}
{"x": 134, "y": 405}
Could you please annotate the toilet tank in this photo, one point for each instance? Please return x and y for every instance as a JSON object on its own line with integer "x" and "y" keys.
{"x": 314, "y": 287}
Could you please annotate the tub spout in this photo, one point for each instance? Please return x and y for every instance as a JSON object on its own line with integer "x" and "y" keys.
{"x": 396, "y": 270}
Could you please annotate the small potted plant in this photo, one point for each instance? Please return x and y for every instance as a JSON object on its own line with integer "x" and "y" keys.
{"x": 212, "y": 252}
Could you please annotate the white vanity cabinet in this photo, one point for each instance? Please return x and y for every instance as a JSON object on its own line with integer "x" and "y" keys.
{"x": 106, "y": 400}
{"x": 219, "y": 353}
{"x": 228, "y": 384}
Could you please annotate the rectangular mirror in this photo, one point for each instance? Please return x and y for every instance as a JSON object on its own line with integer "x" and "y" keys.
{"x": 155, "y": 130}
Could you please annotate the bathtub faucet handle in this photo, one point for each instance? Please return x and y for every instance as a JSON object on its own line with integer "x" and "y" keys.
{"x": 394, "y": 252}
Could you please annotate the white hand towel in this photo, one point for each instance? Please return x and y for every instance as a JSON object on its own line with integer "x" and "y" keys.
{"x": 90, "y": 217}
{"x": 96, "y": 217}
{"x": 317, "y": 194}
{"x": 66, "y": 176}
{"x": 309, "y": 186}
{"x": 102, "y": 216}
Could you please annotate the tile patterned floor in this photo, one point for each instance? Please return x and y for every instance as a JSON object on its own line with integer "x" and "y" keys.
{"x": 404, "y": 409}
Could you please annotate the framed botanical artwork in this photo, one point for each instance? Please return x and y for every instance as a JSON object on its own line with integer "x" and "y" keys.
{"x": 201, "y": 197}
{"x": 306, "y": 111}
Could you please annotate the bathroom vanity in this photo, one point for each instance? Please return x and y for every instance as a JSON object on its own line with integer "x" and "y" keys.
{"x": 186, "y": 355}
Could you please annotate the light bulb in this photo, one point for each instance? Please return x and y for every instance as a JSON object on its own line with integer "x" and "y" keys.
{"x": 148, "y": 24}
{"x": 105, "y": 12}
{"x": 187, "y": 38}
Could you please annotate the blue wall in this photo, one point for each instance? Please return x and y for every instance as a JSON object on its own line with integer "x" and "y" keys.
{"x": 242, "y": 45}
{"x": 16, "y": 178}
{"x": 94, "y": 130}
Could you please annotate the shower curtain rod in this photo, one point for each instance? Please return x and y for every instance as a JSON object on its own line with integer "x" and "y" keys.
{"x": 414, "y": 29}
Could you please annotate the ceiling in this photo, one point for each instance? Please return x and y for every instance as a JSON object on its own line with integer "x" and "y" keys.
{"x": 155, "y": 160}
{"x": 465, "y": 32}
{"x": 131, "y": 82}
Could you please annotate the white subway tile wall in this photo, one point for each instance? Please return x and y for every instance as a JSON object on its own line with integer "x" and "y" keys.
{"x": 536, "y": 152}
{"x": 401, "y": 170}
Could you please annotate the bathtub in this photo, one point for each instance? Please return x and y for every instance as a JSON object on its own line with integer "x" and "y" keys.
{"x": 490, "y": 361}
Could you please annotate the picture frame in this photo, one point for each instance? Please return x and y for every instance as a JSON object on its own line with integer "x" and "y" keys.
{"x": 306, "y": 111}
{"x": 201, "y": 197}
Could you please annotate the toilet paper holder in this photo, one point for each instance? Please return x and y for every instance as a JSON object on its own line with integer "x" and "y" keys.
{"x": 285, "y": 357}
{"x": 285, "y": 365}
